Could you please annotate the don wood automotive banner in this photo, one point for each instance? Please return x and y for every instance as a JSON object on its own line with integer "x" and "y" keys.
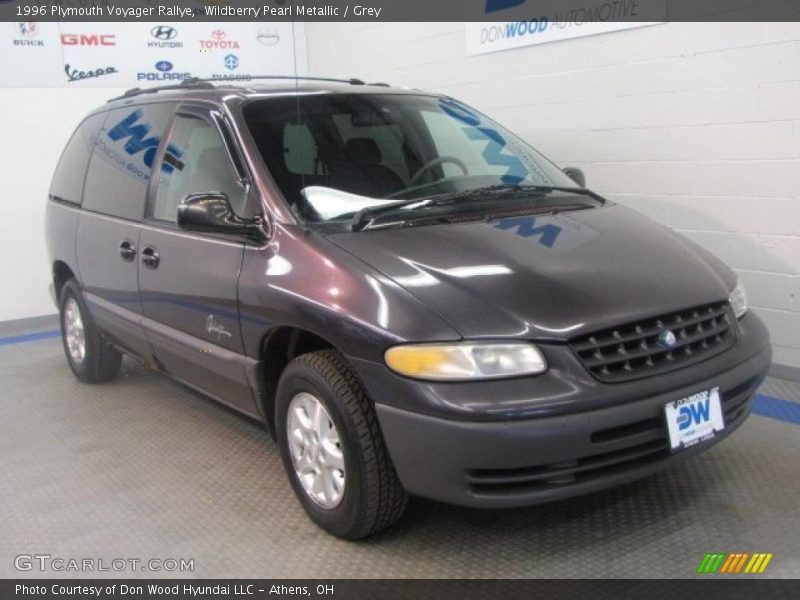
{"x": 496, "y": 25}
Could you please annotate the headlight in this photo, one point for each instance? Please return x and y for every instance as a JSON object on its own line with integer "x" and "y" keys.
{"x": 464, "y": 361}
{"x": 738, "y": 300}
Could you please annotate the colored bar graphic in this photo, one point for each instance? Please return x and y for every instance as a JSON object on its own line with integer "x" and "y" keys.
{"x": 734, "y": 563}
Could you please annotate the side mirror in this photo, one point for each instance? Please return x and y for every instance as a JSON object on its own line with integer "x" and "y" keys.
{"x": 576, "y": 175}
{"x": 211, "y": 212}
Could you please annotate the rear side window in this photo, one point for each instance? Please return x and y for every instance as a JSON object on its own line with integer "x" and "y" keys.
{"x": 67, "y": 184}
{"x": 126, "y": 147}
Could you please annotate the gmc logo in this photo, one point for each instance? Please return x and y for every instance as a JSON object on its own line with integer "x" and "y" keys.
{"x": 74, "y": 39}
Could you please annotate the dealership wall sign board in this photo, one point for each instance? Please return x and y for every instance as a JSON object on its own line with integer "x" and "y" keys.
{"x": 516, "y": 23}
{"x": 56, "y": 54}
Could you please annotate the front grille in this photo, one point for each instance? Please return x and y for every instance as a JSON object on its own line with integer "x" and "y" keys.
{"x": 635, "y": 444}
{"x": 635, "y": 350}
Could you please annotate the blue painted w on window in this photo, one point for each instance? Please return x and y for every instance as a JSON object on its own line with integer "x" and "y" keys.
{"x": 137, "y": 141}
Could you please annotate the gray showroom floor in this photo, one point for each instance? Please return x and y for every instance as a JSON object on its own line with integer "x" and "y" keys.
{"x": 143, "y": 468}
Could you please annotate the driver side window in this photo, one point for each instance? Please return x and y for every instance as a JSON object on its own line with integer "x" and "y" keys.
{"x": 196, "y": 161}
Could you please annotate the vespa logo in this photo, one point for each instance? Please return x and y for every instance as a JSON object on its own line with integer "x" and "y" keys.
{"x": 696, "y": 413}
{"x": 74, "y": 39}
{"x": 164, "y": 32}
{"x": 137, "y": 141}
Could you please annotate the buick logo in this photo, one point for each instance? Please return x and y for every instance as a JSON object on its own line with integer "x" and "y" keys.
{"x": 668, "y": 339}
{"x": 164, "y": 66}
{"x": 164, "y": 32}
{"x": 28, "y": 28}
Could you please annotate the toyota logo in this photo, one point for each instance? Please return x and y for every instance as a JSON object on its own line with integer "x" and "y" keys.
{"x": 218, "y": 34}
{"x": 668, "y": 339}
{"x": 164, "y": 32}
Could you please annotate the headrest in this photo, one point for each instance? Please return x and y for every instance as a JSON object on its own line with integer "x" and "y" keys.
{"x": 363, "y": 151}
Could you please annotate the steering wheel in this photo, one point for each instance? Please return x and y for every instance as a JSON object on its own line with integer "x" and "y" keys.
{"x": 435, "y": 163}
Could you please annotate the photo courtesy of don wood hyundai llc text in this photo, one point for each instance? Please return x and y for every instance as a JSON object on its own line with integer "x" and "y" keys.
{"x": 320, "y": 299}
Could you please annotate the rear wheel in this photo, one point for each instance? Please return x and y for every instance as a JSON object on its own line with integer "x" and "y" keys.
{"x": 91, "y": 358}
{"x": 333, "y": 450}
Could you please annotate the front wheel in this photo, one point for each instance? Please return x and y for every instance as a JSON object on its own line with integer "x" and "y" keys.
{"x": 91, "y": 358}
{"x": 332, "y": 448}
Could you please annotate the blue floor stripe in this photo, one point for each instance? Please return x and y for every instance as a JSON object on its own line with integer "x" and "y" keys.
{"x": 28, "y": 337}
{"x": 777, "y": 408}
{"x": 765, "y": 406}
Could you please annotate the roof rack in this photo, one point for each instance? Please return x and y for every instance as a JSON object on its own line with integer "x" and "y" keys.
{"x": 198, "y": 83}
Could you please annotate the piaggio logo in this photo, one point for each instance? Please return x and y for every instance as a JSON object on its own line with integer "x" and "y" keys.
{"x": 231, "y": 62}
{"x": 164, "y": 37}
{"x": 28, "y": 30}
{"x": 219, "y": 41}
{"x": 82, "y": 39}
{"x": 735, "y": 563}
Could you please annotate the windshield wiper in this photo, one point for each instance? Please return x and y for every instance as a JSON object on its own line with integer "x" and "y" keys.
{"x": 511, "y": 189}
{"x": 366, "y": 215}
{"x": 363, "y": 218}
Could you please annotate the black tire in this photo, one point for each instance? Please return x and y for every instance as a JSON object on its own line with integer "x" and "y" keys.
{"x": 101, "y": 361}
{"x": 373, "y": 498}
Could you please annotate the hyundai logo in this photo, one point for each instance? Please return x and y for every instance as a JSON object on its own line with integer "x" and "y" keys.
{"x": 668, "y": 339}
{"x": 164, "y": 66}
{"x": 164, "y": 32}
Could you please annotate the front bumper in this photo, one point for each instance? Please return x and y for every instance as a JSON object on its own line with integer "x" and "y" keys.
{"x": 507, "y": 462}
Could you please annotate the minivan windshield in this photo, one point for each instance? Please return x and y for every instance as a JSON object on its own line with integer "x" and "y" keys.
{"x": 336, "y": 156}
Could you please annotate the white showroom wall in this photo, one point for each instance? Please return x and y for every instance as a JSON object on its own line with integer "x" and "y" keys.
{"x": 695, "y": 125}
{"x": 36, "y": 124}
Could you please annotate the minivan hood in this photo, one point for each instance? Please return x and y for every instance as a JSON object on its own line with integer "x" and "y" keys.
{"x": 546, "y": 277}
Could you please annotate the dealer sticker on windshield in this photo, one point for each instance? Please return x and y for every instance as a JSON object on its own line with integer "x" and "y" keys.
{"x": 694, "y": 419}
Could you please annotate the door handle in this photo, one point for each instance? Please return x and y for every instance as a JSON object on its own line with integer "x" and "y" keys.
{"x": 150, "y": 257}
{"x": 127, "y": 250}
